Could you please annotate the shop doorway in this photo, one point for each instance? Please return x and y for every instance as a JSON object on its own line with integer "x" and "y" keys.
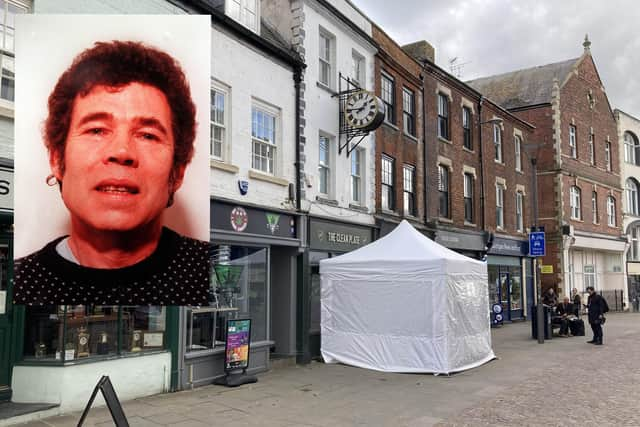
{"x": 505, "y": 288}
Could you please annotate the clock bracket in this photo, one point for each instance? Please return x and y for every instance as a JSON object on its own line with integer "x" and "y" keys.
{"x": 350, "y": 136}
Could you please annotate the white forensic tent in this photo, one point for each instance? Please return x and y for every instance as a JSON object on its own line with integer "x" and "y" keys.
{"x": 404, "y": 303}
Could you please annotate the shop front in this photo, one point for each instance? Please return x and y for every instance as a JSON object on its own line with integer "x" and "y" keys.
{"x": 10, "y": 316}
{"x": 471, "y": 244}
{"x": 510, "y": 276}
{"x": 326, "y": 239}
{"x": 254, "y": 253}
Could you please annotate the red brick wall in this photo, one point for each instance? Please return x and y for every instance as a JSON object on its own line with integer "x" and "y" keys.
{"x": 391, "y": 140}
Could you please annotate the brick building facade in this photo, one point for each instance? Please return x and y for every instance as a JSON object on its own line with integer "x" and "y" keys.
{"x": 578, "y": 168}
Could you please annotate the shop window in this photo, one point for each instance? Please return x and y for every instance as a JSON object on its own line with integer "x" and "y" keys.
{"x": 76, "y": 332}
{"x": 239, "y": 291}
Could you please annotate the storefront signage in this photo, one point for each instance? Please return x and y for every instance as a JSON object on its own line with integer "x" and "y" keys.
{"x": 546, "y": 269}
{"x": 510, "y": 247}
{"x": 6, "y": 189}
{"x": 454, "y": 240}
{"x": 248, "y": 220}
{"x": 332, "y": 236}
{"x": 237, "y": 349}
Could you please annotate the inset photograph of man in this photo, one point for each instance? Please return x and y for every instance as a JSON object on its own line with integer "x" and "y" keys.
{"x": 111, "y": 163}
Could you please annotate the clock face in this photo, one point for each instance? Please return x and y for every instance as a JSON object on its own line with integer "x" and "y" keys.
{"x": 363, "y": 110}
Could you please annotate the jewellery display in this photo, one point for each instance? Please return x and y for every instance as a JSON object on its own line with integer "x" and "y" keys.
{"x": 83, "y": 342}
{"x": 136, "y": 341}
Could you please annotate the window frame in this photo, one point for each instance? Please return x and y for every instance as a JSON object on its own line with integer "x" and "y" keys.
{"x": 500, "y": 190}
{"x": 611, "y": 211}
{"x": 444, "y": 112}
{"x": 356, "y": 179}
{"x": 517, "y": 142}
{"x": 592, "y": 149}
{"x": 519, "y": 211}
{"x": 7, "y": 55}
{"x": 497, "y": 142}
{"x": 631, "y": 149}
{"x": 409, "y": 190}
{"x": 467, "y": 133}
{"x": 595, "y": 217}
{"x": 575, "y": 202}
{"x": 573, "y": 142}
{"x": 328, "y": 62}
{"x": 387, "y": 183}
{"x": 444, "y": 191}
{"x": 607, "y": 155}
{"x": 388, "y": 96}
{"x": 224, "y": 125}
{"x": 631, "y": 192}
{"x": 324, "y": 168}
{"x": 275, "y": 145}
{"x": 468, "y": 197}
{"x": 358, "y": 73}
{"x": 241, "y": 18}
{"x": 408, "y": 117}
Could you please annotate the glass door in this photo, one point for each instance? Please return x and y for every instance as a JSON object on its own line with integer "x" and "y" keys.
{"x": 505, "y": 301}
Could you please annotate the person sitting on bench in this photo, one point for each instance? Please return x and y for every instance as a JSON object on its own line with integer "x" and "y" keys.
{"x": 564, "y": 314}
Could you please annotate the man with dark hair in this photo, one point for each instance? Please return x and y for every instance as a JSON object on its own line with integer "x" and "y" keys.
{"x": 597, "y": 306}
{"x": 120, "y": 134}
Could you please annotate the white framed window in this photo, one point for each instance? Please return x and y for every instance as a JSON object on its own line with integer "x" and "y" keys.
{"x": 611, "y": 211}
{"x": 607, "y": 155}
{"x": 573, "y": 150}
{"x": 218, "y": 122}
{"x": 519, "y": 211}
{"x": 589, "y": 273}
{"x": 634, "y": 250}
{"x": 518, "y": 146}
{"x": 631, "y": 188}
{"x": 500, "y": 205}
{"x": 325, "y": 56}
{"x": 575, "y": 202}
{"x": 357, "y": 168}
{"x": 631, "y": 148}
{"x": 408, "y": 188}
{"x": 388, "y": 179}
{"x": 497, "y": 142}
{"x": 245, "y": 12}
{"x": 358, "y": 69}
{"x": 594, "y": 207}
{"x": 8, "y": 12}
{"x": 264, "y": 122}
{"x": 324, "y": 165}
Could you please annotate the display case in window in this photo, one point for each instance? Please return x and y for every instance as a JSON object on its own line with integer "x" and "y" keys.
{"x": 62, "y": 334}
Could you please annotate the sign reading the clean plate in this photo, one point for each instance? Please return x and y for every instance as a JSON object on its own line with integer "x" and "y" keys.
{"x": 331, "y": 236}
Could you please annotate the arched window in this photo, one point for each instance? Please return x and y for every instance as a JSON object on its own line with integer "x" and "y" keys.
{"x": 575, "y": 203}
{"x": 611, "y": 211}
{"x": 631, "y": 149}
{"x": 631, "y": 188}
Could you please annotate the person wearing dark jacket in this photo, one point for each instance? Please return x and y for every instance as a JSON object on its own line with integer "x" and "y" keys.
{"x": 563, "y": 311}
{"x": 596, "y": 306}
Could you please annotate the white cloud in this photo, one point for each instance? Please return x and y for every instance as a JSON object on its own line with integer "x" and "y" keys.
{"x": 496, "y": 36}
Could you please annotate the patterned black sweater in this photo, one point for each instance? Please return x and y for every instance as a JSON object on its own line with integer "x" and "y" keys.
{"x": 176, "y": 273}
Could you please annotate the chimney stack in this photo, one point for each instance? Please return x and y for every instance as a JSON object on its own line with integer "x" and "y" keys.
{"x": 422, "y": 51}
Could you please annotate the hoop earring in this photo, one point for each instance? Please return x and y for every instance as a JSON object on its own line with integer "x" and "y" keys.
{"x": 52, "y": 180}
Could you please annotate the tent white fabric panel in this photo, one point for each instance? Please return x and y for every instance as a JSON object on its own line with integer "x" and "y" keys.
{"x": 405, "y": 304}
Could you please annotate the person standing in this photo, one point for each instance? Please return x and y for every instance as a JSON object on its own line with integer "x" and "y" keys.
{"x": 577, "y": 302}
{"x": 596, "y": 306}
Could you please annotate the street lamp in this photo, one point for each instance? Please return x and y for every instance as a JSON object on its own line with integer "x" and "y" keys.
{"x": 531, "y": 150}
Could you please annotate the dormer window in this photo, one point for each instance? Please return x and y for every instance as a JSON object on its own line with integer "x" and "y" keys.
{"x": 245, "y": 12}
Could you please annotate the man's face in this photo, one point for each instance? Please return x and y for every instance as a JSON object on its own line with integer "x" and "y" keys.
{"x": 118, "y": 158}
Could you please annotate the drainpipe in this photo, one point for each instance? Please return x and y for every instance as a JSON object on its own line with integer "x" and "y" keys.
{"x": 297, "y": 78}
{"x": 425, "y": 156}
{"x": 480, "y": 152}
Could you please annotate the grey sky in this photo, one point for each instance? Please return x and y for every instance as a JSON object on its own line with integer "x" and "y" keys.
{"x": 496, "y": 36}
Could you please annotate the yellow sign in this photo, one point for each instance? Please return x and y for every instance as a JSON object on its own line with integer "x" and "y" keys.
{"x": 546, "y": 269}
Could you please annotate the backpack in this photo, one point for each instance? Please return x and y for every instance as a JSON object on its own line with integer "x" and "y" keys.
{"x": 605, "y": 306}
